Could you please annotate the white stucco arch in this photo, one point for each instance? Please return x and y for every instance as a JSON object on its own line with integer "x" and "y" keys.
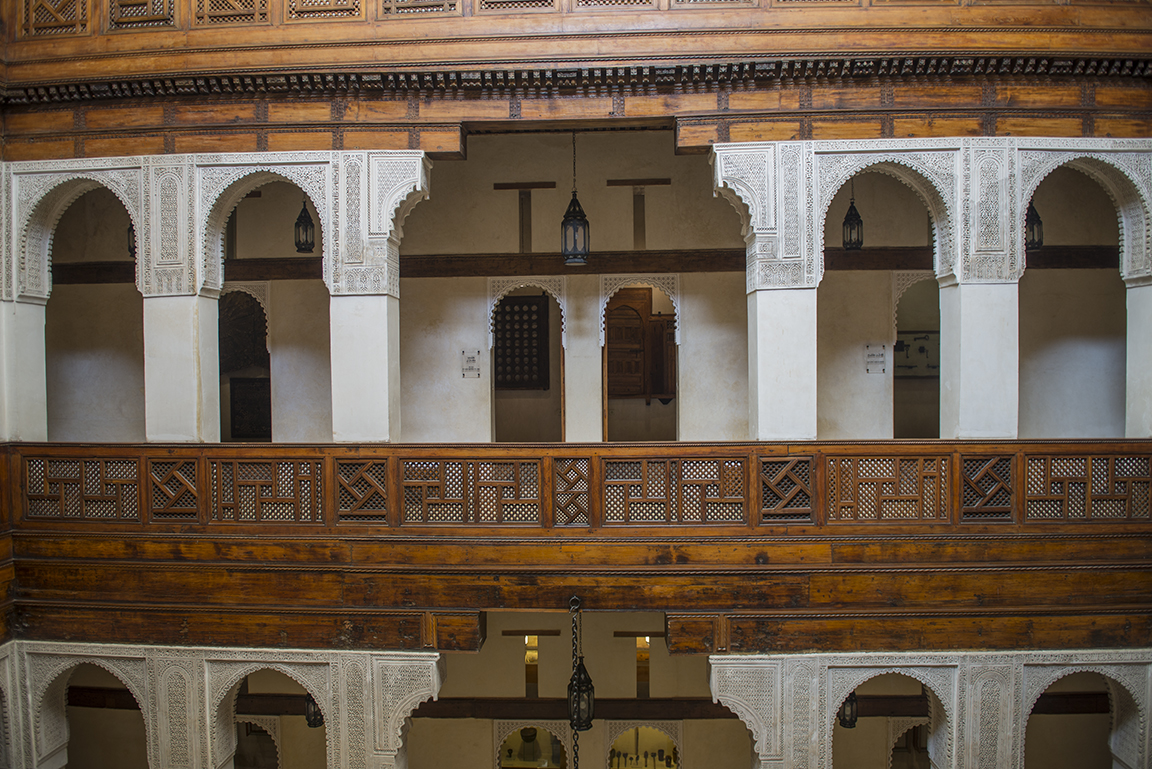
{"x": 561, "y": 730}
{"x": 668, "y": 284}
{"x": 555, "y": 285}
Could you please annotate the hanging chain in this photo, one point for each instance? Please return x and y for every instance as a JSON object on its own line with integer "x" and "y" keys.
{"x": 574, "y": 610}
{"x": 574, "y": 179}
{"x": 575, "y": 749}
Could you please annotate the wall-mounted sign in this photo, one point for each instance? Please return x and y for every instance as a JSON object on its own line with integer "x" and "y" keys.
{"x": 470, "y": 364}
{"x": 917, "y": 353}
{"x": 875, "y": 358}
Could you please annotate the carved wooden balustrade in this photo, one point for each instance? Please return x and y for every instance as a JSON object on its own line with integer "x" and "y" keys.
{"x": 744, "y": 547}
{"x": 610, "y": 489}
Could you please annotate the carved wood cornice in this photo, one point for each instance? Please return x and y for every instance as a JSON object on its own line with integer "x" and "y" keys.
{"x": 586, "y": 80}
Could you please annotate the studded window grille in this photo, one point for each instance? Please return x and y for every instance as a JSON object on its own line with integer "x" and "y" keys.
{"x": 304, "y": 10}
{"x": 215, "y": 12}
{"x": 400, "y": 8}
{"x": 786, "y": 490}
{"x": 520, "y": 352}
{"x": 64, "y": 17}
{"x": 986, "y": 489}
{"x": 887, "y": 489}
{"x": 655, "y": 492}
{"x": 571, "y": 489}
{"x": 362, "y": 491}
{"x": 255, "y": 491}
{"x": 139, "y": 14}
{"x": 1087, "y": 488}
{"x": 172, "y": 487}
{"x": 504, "y": 492}
{"x": 103, "y": 489}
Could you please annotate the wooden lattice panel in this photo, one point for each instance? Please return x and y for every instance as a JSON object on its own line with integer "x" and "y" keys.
{"x": 674, "y": 491}
{"x": 107, "y": 489}
{"x": 323, "y": 10}
{"x": 418, "y": 7}
{"x": 172, "y": 490}
{"x": 213, "y": 12}
{"x": 362, "y": 490}
{"x": 471, "y": 491}
{"x": 571, "y": 491}
{"x": 64, "y": 17}
{"x": 887, "y": 489}
{"x": 514, "y": 6}
{"x": 520, "y": 350}
{"x": 986, "y": 489}
{"x": 138, "y": 14}
{"x": 250, "y": 491}
{"x": 786, "y": 489}
{"x": 1086, "y": 488}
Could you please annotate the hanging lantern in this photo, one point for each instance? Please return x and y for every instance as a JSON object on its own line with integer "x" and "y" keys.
{"x": 1033, "y": 228}
{"x": 848, "y": 711}
{"x": 581, "y": 693}
{"x": 574, "y": 228}
{"x": 853, "y": 224}
{"x": 313, "y": 716}
{"x": 305, "y": 231}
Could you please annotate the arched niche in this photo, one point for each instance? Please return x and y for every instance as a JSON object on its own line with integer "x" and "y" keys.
{"x": 559, "y": 730}
{"x": 671, "y": 730}
{"x": 225, "y": 679}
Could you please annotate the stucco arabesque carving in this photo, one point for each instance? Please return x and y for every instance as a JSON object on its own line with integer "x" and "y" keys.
{"x": 400, "y": 684}
{"x": 668, "y": 283}
{"x": 750, "y": 686}
{"x": 555, "y": 285}
{"x": 41, "y": 192}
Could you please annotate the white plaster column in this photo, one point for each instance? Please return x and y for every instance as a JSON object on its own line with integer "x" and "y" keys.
{"x": 181, "y": 368}
{"x": 381, "y": 189}
{"x": 22, "y": 371}
{"x": 767, "y": 184}
{"x": 979, "y": 361}
{"x": 1138, "y": 389}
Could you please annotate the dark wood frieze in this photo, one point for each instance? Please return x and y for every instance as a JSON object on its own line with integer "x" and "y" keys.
{"x": 590, "y": 81}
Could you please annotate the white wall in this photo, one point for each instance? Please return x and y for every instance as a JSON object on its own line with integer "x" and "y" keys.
{"x": 265, "y": 223}
{"x": 713, "y": 357}
{"x": 1072, "y": 354}
{"x": 439, "y": 317}
{"x": 893, "y": 214}
{"x": 853, "y": 309}
{"x": 300, "y": 361}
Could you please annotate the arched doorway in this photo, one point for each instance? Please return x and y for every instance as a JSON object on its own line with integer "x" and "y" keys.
{"x": 1070, "y": 740}
{"x": 885, "y": 722}
{"x": 105, "y": 728}
{"x": 268, "y": 716}
{"x": 640, "y": 364}
{"x": 94, "y": 325}
{"x": 528, "y": 367}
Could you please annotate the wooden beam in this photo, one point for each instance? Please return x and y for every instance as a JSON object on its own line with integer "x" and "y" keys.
{"x": 673, "y": 709}
{"x": 902, "y": 258}
{"x": 1072, "y": 257}
{"x": 284, "y": 268}
{"x": 602, "y": 263}
{"x": 76, "y": 273}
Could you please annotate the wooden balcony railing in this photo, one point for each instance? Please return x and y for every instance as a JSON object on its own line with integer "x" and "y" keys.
{"x": 577, "y": 489}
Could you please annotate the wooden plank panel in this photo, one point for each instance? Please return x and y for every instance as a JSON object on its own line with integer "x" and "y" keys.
{"x": 843, "y": 129}
{"x": 694, "y": 136}
{"x": 441, "y": 140}
{"x": 203, "y": 549}
{"x": 39, "y": 150}
{"x": 302, "y": 140}
{"x": 915, "y": 96}
{"x": 244, "y": 142}
{"x": 1029, "y": 126}
{"x": 1123, "y": 98}
{"x": 661, "y": 105}
{"x": 362, "y": 111}
{"x": 937, "y": 126}
{"x": 553, "y": 109}
{"x": 1038, "y": 96}
{"x": 376, "y": 140}
{"x": 136, "y": 145}
{"x": 48, "y": 121}
{"x": 206, "y": 114}
{"x": 1079, "y": 549}
{"x": 768, "y": 100}
{"x": 764, "y": 131}
{"x": 1122, "y": 128}
{"x": 137, "y": 117}
{"x": 299, "y": 112}
{"x": 470, "y": 109}
{"x": 850, "y": 98}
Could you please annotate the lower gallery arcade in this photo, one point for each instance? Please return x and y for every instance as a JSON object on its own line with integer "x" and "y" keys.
{"x": 769, "y": 358}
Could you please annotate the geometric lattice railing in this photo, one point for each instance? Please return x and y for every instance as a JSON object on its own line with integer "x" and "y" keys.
{"x": 887, "y": 489}
{"x": 471, "y": 491}
{"x": 986, "y": 488}
{"x": 672, "y": 491}
{"x": 1082, "y": 488}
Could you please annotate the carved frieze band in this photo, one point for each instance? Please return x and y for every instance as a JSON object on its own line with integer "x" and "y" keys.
{"x": 187, "y": 698}
{"x": 979, "y": 703}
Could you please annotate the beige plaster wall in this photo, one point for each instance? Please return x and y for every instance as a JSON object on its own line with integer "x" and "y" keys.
{"x": 681, "y": 215}
{"x": 439, "y": 317}
{"x": 916, "y": 400}
{"x": 893, "y": 214}
{"x": 1072, "y": 354}
{"x": 1075, "y": 210}
{"x": 93, "y": 229}
{"x": 265, "y": 223}
{"x": 713, "y": 357}
{"x": 94, "y": 362}
{"x": 300, "y": 361}
{"x": 533, "y": 415}
{"x": 853, "y": 309}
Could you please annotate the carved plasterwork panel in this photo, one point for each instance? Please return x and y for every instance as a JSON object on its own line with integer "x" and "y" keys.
{"x": 902, "y": 280}
{"x": 174, "y": 696}
{"x": 751, "y": 688}
{"x": 555, "y": 285}
{"x": 223, "y": 180}
{"x": 166, "y": 266}
{"x": 669, "y": 283}
{"x": 991, "y": 717}
{"x": 5, "y": 232}
{"x": 400, "y": 682}
{"x": 270, "y": 724}
{"x": 561, "y": 730}
{"x": 258, "y": 290}
{"x": 40, "y": 193}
